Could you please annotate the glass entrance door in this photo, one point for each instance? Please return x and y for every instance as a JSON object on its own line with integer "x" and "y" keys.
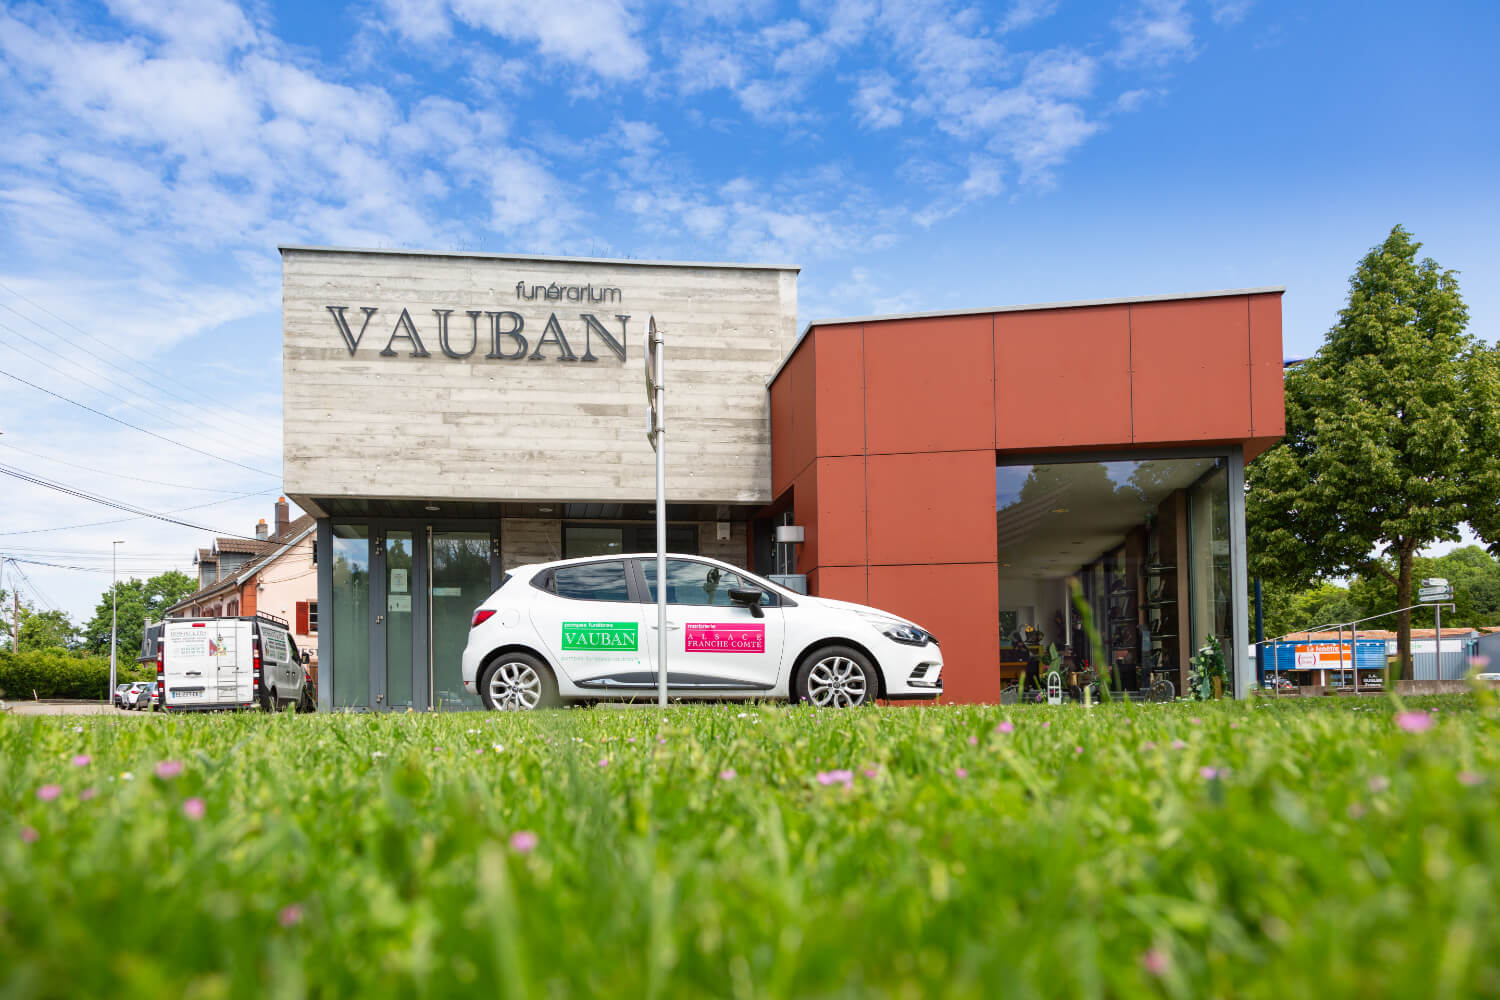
{"x": 400, "y": 620}
{"x": 459, "y": 564}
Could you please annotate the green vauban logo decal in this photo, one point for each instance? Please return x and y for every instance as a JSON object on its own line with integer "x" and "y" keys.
{"x": 606, "y": 636}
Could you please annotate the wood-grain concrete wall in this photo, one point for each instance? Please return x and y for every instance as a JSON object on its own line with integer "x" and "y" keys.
{"x": 475, "y": 428}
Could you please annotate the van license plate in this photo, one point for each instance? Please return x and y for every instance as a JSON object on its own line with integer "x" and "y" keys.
{"x": 182, "y": 691}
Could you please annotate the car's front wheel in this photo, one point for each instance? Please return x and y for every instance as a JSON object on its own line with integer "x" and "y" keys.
{"x": 517, "y": 682}
{"x": 836, "y": 677}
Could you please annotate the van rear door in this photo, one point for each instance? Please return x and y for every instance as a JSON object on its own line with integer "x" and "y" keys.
{"x": 207, "y": 664}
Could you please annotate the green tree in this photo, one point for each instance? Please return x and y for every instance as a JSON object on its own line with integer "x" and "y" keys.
{"x": 47, "y": 630}
{"x": 1390, "y": 435}
{"x": 140, "y": 601}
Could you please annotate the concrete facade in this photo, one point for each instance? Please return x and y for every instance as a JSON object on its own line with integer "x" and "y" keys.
{"x": 494, "y": 378}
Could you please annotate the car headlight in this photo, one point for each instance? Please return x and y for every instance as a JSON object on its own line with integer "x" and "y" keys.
{"x": 900, "y": 631}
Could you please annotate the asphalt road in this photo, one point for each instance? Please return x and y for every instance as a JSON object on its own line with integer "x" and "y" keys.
{"x": 29, "y": 707}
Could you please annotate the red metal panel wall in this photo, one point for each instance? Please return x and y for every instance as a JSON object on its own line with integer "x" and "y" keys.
{"x": 958, "y": 604}
{"x": 1062, "y": 378}
{"x": 1267, "y": 403}
{"x": 929, "y": 385}
{"x": 932, "y": 508}
{"x": 793, "y": 424}
{"x": 840, "y": 390}
{"x": 841, "y": 511}
{"x": 1191, "y": 363}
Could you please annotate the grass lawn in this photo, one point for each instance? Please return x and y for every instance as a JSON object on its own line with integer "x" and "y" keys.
{"x": 1300, "y": 848}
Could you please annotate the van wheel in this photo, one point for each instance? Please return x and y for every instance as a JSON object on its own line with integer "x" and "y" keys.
{"x": 268, "y": 700}
{"x": 836, "y": 677}
{"x": 517, "y": 682}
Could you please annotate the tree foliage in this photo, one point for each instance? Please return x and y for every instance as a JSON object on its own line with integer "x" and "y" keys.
{"x": 1474, "y": 573}
{"x": 139, "y": 601}
{"x": 1390, "y": 436}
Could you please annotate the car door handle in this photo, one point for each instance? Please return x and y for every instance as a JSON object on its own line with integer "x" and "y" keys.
{"x": 670, "y": 627}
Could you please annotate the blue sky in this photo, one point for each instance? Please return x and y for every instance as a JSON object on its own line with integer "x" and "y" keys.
{"x": 915, "y": 155}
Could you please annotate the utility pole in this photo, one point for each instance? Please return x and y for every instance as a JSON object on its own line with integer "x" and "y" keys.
{"x": 114, "y": 612}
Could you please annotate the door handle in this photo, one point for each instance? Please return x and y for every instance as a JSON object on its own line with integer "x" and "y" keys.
{"x": 379, "y": 619}
{"x": 670, "y": 627}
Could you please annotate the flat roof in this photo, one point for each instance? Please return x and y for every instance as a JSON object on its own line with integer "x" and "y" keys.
{"x": 1032, "y": 307}
{"x": 284, "y": 247}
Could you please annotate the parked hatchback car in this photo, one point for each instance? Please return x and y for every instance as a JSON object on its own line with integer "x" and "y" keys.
{"x": 584, "y": 629}
{"x": 119, "y": 695}
{"x": 138, "y": 695}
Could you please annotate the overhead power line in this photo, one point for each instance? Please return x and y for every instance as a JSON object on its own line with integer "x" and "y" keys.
{"x": 127, "y": 508}
{"x": 84, "y": 569}
{"x": 134, "y": 427}
{"x": 146, "y": 369}
{"x": 118, "y": 475}
{"x": 122, "y": 520}
{"x": 35, "y": 590}
{"x": 110, "y": 384}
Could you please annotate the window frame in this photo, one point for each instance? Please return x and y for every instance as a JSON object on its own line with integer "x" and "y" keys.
{"x": 768, "y": 590}
{"x": 546, "y": 581}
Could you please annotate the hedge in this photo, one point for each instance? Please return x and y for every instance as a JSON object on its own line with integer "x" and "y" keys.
{"x": 58, "y": 673}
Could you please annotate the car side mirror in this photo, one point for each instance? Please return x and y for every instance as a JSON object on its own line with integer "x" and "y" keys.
{"x": 306, "y": 657}
{"x": 750, "y": 598}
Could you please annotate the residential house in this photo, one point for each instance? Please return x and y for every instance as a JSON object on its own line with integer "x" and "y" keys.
{"x": 275, "y": 572}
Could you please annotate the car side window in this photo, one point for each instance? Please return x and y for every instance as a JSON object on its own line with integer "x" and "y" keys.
{"x": 693, "y": 583}
{"x": 601, "y": 581}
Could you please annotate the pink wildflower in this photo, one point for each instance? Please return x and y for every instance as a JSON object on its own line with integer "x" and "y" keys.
{"x": 1470, "y": 778}
{"x": 193, "y": 808}
{"x": 959, "y": 772}
{"x": 523, "y": 841}
{"x": 1414, "y": 722}
{"x": 1006, "y": 727}
{"x": 1378, "y": 784}
{"x": 48, "y": 792}
{"x": 168, "y": 769}
{"x": 290, "y": 916}
{"x": 1046, "y": 725}
{"x": 1154, "y": 961}
{"x": 29, "y": 834}
{"x": 871, "y": 772}
{"x": 1196, "y": 721}
{"x": 839, "y": 776}
{"x": 1480, "y": 662}
{"x": 1208, "y": 773}
{"x": 603, "y": 761}
{"x": 728, "y": 774}
{"x": 973, "y": 741}
{"x": 1148, "y": 745}
{"x": 87, "y": 794}
{"x": 82, "y": 760}
{"x": 1178, "y": 745}
{"x": 1078, "y": 749}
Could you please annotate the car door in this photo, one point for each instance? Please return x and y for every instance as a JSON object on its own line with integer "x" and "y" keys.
{"x": 713, "y": 644}
{"x": 589, "y": 623}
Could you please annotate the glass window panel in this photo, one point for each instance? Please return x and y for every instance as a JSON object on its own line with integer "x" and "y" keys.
{"x": 350, "y": 675}
{"x": 694, "y": 584}
{"x": 601, "y": 581}
{"x": 1208, "y": 520}
{"x": 593, "y": 540}
{"x": 460, "y": 583}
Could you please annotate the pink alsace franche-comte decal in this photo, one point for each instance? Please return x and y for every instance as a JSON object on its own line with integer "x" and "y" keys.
{"x": 711, "y": 638}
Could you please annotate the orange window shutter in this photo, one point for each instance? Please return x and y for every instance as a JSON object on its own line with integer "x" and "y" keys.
{"x": 301, "y": 617}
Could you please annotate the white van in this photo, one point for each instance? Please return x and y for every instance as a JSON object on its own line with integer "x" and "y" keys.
{"x": 208, "y": 663}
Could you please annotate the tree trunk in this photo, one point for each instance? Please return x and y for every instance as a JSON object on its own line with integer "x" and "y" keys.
{"x": 1404, "y": 669}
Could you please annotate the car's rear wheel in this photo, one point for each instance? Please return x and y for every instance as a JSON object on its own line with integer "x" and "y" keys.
{"x": 267, "y": 700}
{"x": 837, "y": 677}
{"x": 517, "y": 682}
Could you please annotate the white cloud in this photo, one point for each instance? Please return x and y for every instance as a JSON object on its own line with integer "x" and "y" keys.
{"x": 1133, "y": 100}
{"x": 1230, "y": 12}
{"x": 876, "y": 102}
{"x": 596, "y": 36}
{"x": 203, "y": 27}
{"x": 1156, "y": 33}
{"x": 1024, "y": 13}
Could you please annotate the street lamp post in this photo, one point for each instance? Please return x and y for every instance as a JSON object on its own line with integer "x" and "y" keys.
{"x": 114, "y": 612}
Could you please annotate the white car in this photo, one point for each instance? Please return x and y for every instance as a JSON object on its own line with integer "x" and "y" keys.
{"x": 584, "y": 629}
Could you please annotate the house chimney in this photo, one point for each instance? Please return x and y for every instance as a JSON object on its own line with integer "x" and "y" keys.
{"x": 283, "y": 517}
{"x": 260, "y": 529}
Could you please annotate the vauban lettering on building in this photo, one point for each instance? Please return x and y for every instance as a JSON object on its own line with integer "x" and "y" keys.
{"x": 504, "y": 331}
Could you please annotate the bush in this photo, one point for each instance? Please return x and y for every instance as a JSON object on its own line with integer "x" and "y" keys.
{"x": 58, "y": 673}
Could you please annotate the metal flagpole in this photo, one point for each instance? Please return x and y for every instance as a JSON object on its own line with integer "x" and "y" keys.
{"x": 656, "y": 434}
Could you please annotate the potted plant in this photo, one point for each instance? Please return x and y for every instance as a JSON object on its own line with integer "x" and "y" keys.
{"x": 1207, "y": 680}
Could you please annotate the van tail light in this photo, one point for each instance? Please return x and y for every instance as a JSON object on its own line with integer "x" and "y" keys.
{"x": 481, "y": 616}
{"x": 161, "y": 677}
{"x": 255, "y": 660}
